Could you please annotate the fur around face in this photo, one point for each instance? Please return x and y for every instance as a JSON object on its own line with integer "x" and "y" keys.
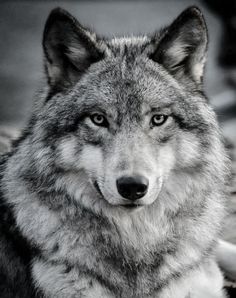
{"x": 65, "y": 229}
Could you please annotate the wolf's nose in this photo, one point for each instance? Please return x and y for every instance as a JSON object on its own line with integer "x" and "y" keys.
{"x": 132, "y": 188}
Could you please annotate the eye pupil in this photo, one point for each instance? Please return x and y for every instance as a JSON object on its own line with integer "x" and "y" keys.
{"x": 99, "y": 120}
{"x": 158, "y": 120}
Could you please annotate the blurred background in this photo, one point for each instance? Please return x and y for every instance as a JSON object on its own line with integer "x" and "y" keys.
{"x": 21, "y": 56}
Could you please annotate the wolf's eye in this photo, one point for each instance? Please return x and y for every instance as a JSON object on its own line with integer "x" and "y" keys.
{"x": 99, "y": 120}
{"x": 158, "y": 120}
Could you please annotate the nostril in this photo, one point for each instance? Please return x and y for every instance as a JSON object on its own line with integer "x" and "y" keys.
{"x": 141, "y": 188}
{"x": 132, "y": 187}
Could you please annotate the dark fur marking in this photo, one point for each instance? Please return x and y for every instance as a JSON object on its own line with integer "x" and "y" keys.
{"x": 19, "y": 250}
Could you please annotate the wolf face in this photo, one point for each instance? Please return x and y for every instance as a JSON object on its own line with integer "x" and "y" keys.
{"x": 126, "y": 114}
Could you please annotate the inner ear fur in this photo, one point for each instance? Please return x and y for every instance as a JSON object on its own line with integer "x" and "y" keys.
{"x": 69, "y": 49}
{"x": 182, "y": 46}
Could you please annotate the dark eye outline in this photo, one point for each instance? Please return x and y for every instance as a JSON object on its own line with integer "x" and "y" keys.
{"x": 103, "y": 123}
{"x": 160, "y": 122}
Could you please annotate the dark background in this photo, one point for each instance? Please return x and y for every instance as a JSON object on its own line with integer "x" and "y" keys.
{"x": 21, "y": 56}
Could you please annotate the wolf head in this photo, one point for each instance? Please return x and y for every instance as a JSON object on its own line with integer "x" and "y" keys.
{"x": 124, "y": 117}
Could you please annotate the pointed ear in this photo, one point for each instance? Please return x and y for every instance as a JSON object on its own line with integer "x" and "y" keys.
{"x": 69, "y": 49}
{"x": 182, "y": 46}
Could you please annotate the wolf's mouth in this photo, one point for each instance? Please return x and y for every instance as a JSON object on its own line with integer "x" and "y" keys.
{"x": 130, "y": 206}
{"x": 98, "y": 189}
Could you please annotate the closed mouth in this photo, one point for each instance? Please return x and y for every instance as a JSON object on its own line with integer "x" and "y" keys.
{"x": 98, "y": 189}
{"x": 131, "y": 206}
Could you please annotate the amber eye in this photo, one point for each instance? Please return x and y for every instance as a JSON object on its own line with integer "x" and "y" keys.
{"x": 99, "y": 120}
{"x": 158, "y": 120}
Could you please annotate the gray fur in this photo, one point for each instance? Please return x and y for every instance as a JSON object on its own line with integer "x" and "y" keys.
{"x": 59, "y": 179}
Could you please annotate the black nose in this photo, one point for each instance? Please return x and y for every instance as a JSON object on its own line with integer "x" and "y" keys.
{"x": 132, "y": 188}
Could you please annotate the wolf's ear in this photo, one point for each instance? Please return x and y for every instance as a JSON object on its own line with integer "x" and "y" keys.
{"x": 69, "y": 49}
{"x": 182, "y": 46}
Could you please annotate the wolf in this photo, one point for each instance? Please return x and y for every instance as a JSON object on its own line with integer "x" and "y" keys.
{"x": 117, "y": 186}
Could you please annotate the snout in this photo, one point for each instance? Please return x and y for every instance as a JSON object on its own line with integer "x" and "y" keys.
{"x": 132, "y": 187}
